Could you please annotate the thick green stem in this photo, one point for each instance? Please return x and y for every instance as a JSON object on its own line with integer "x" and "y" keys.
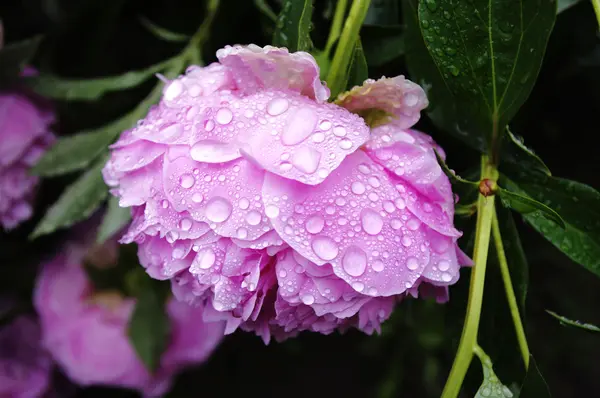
{"x": 510, "y": 292}
{"x": 336, "y": 26}
{"x": 343, "y": 52}
{"x": 596, "y": 4}
{"x": 468, "y": 340}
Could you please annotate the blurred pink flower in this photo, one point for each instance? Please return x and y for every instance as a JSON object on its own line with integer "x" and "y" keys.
{"x": 285, "y": 212}
{"x": 85, "y": 332}
{"x": 24, "y": 136}
{"x": 25, "y": 366}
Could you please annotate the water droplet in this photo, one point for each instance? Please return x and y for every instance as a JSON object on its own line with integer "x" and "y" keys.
{"x": 374, "y": 182}
{"x": 371, "y": 222}
{"x": 339, "y": 131}
{"x": 431, "y": 4}
{"x": 413, "y": 224}
{"x": 315, "y": 224}
{"x": 354, "y": 261}
{"x": 406, "y": 241}
{"x": 272, "y": 211}
{"x": 325, "y": 125}
{"x": 306, "y": 159}
{"x": 209, "y": 151}
{"x": 378, "y": 266}
{"x": 345, "y": 144}
{"x": 412, "y": 263}
{"x": 358, "y": 286}
{"x": 446, "y": 277}
{"x": 358, "y": 187}
{"x": 171, "y": 131}
{"x": 242, "y": 233}
{"x": 197, "y": 197}
{"x": 206, "y": 258}
{"x": 253, "y": 217}
{"x": 396, "y": 224}
{"x": 363, "y": 168}
{"x": 185, "y": 224}
{"x": 454, "y": 71}
{"x": 443, "y": 265}
{"x": 187, "y": 181}
{"x": 400, "y": 203}
{"x": 325, "y": 248}
{"x": 308, "y": 299}
{"x": 277, "y": 106}
{"x": 282, "y": 273}
{"x": 224, "y": 116}
{"x": 318, "y": 137}
{"x": 209, "y": 125}
{"x": 389, "y": 206}
{"x": 218, "y": 209}
{"x": 178, "y": 251}
{"x": 299, "y": 126}
{"x": 244, "y": 203}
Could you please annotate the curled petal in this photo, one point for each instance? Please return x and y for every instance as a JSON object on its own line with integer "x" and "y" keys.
{"x": 255, "y": 68}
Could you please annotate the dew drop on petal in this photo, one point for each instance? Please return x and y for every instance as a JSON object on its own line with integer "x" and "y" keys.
{"x": 325, "y": 248}
{"x": 224, "y": 116}
{"x": 358, "y": 187}
{"x": 446, "y": 277}
{"x": 354, "y": 261}
{"x": 206, "y": 258}
{"x": 272, "y": 211}
{"x": 277, "y": 106}
{"x": 406, "y": 241}
{"x": 185, "y": 224}
{"x": 318, "y": 137}
{"x": 173, "y": 90}
{"x": 242, "y": 233}
{"x": 345, "y": 144}
{"x": 378, "y": 266}
{"x": 187, "y": 181}
{"x": 358, "y": 286}
{"x": 400, "y": 204}
{"x": 308, "y": 299}
{"x": 412, "y": 263}
{"x": 218, "y": 209}
{"x": 253, "y": 217}
{"x": 197, "y": 197}
{"x": 339, "y": 131}
{"x": 306, "y": 159}
{"x": 443, "y": 265}
{"x": 244, "y": 203}
{"x": 210, "y": 151}
{"x": 371, "y": 222}
{"x": 314, "y": 224}
{"x": 413, "y": 224}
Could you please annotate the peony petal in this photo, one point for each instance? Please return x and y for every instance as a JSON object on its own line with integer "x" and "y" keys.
{"x": 397, "y": 96}
{"x": 357, "y": 221}
{"x": 255, "y": 68}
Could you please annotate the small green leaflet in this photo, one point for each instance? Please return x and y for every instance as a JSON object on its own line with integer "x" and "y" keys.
{"x": 488, "y": 54}
{"x": 76, "y": 203}
{"x": 293, "y": 26}
{"x": 115, "y": 218}
{"x": 577, "y": 324}
{"x": 526, "y": 205}
{"x": 491, "y": 387}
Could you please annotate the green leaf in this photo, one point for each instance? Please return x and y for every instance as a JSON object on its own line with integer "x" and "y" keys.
{"x": 115, "y": 218}
{"x": 566, "y": 321}
{"x": 78, "y": 151}
{"x": 162, "y": 33}
{"x": 358, "y": 71}
{"x": 515, "y": 152}
{"x": 526, "y": 205}
{"x": 149, "y": 325}
{"x": 491, "y": 387}
{"x": 382, "y": 44}
{"x": 534, "y": 384}
{"x": 15, "y": 56}
{"x": 488, "y": 54}
{"x": 76, "y": 203}
{"x": 92, "y": 89}
{"x": 578, "y": 205}
{"x": 515, "y": 255}
{"x": 293, "y": 26}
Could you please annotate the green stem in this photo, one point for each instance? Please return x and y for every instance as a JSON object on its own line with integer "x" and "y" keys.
{"x": 193, "y": 50}
{"x": 468, "y": 339}
{"x": 510, "y": 292}
{"x": 336, "y": 26}
{"x": 596, "y": 4}
{"x": 343, "y": 52}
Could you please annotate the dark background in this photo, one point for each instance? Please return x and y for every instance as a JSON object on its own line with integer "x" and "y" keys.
{"x": 412, "y": 358}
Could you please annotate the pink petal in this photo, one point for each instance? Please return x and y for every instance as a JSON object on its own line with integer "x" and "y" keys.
{"x": 357, "y": 221}
{"x": 255, "y": 68}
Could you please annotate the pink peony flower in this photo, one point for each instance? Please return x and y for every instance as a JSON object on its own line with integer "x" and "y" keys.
{"x": 285, "y": 212}
{"x": 24, "y": 136}
{"x": 25, "y": 367}
{"x": 85, "y": 331}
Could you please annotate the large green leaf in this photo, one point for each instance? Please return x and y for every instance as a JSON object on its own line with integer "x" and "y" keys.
{"x": 488, "y": 54}
{"x": 514, "y": 152}
{"x": 92, "y": 89}
{"x": 115, "y": 218}
{"x": 293, "y": 25}
{"x": 15, "y": 56}
{"x": 578, "y": 205}
{"x": 78, "y": 151}
{"x": 515, "y": 255}
{"x": 525, "y": 205}
{"x": 149, "y": 324}
{"x": 76, "y": 203}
